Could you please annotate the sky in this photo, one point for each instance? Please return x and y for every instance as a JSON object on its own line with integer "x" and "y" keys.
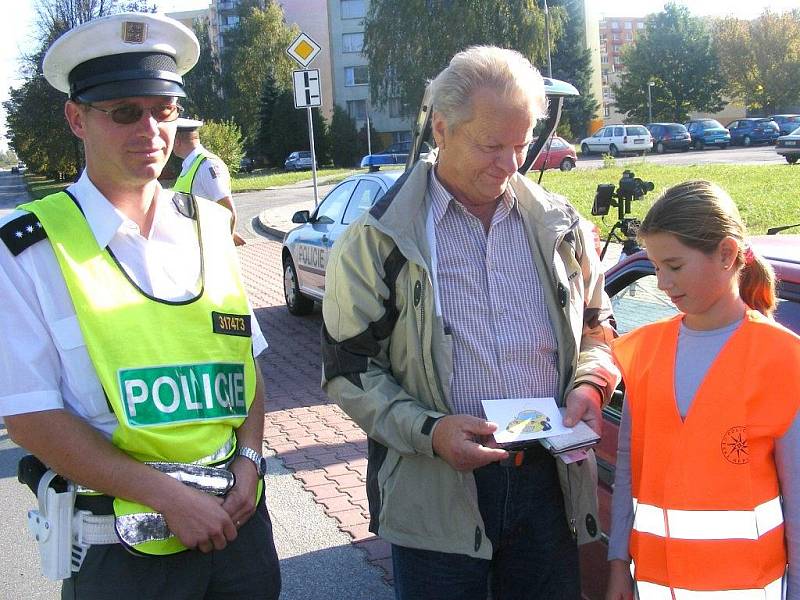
{"x": 16, "y": 26}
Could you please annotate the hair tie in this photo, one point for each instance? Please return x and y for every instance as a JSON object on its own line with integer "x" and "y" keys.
{"x": 749, "y": 255}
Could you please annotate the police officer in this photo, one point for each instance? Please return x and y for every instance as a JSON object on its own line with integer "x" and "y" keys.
{"x": 127, "y": 364}
{"x": 203, "y": 173}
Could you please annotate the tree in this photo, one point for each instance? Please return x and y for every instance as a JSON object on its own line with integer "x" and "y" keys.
{"x": 760, "y": 60}
{"x": 675, "y": 53}
{"x": 269, "y": 96}
{"x": 36, "y": 128}
{"x": 288, "y": 131}
{"x": 344, "y": 139}
{"x": 252, "y": 50}
{"x": 203, "y": 84}
{"x": 224, "y": 139}
{"x": 409, "y": 42}
{"x": 572, "y": 62}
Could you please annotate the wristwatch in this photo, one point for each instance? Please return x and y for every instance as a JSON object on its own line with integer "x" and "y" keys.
{"x": 259, "y": 461}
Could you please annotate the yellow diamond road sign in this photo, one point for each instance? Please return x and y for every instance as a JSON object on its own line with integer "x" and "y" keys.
{"x": 303, "y": 49}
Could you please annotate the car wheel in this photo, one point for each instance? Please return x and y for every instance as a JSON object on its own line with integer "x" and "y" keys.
{"x": 567, "y": 164}
{"x": 585, "y": 150}
{"x": 791, "y": 159}
{"x": 660, "y": 148}
{"x": 723, "y": 146}
{"x": 297, "y": 304}
{"x": 746, "y": 141}
{"x": 612, "y": 150}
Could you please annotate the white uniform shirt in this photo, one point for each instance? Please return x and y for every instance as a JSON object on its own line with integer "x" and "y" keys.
{"x": 44, "y": 363}
{"x": 212, "y": 180}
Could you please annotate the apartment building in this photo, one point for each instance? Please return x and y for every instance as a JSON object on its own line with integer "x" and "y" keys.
{"x": 615, "y": 34}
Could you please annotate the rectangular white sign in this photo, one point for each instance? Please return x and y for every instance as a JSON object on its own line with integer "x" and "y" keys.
{"x": 306, "y": 88}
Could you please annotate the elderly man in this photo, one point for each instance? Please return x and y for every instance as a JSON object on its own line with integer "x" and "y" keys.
{"x": 203, "y": 173}
{"x": 128, "y": 366}
{"x": 468, "y": 282}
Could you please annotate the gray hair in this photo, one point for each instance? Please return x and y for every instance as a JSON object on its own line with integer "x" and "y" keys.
{"x": 506, "y": 71}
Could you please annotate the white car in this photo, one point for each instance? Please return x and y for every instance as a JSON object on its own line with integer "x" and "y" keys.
{"x": 616, "y": 139}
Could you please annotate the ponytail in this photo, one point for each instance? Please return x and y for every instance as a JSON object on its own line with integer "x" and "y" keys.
{"x": 757, "y": 283}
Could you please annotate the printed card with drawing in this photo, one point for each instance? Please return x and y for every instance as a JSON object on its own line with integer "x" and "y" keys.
{"x": 523, "y": 419}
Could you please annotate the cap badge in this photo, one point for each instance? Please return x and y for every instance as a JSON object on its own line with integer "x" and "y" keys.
{"x": 134, "y": 32}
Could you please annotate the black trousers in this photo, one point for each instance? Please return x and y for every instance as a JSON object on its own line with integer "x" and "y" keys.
{"x": 246, "y": 568}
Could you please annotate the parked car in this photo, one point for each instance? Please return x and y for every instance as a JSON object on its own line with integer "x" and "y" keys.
{"x": 298, "y": 161}
{"x": 246, "y": 165}
{"x": 395, "y": 154}
{"x": 669, "y": 136}
{"x": 15, "y": 170}
{"x": 753, "y": 131}
{"x": 708, "y": 132}
{"x": 616, "y": 139}
{"x": 788, "y": 146}
{"x": 636, "y": 299}
{"x": 786, "y": 123}
{"x": 305, "y": 248}
{"x": 559, "y": 155}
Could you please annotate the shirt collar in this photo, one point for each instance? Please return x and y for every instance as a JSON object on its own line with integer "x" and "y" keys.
{"x": 441, "y": 198}
{"x": 104, "y": 218}
{"x": 187, "y": 162}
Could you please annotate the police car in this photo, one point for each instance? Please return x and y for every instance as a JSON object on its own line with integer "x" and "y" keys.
{"x": 636, "y": 299}
{"x": 305, "y": 248}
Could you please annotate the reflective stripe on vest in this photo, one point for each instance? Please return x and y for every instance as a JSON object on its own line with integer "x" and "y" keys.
{"x": 185, "y": 180}
{"x": 653, "y": 591}
{"x": 708, "y": 514}
{"x": 708, "y": 524}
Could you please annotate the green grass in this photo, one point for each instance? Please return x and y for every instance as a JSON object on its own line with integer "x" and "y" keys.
{"x": 262, "y": 179}
{"x": 767, "y": 195}
{"x": 40, "y": 186}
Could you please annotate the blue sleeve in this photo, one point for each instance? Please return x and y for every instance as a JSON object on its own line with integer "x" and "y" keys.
{"x": 622, "y": 502}
{"x": 787, "y": 460}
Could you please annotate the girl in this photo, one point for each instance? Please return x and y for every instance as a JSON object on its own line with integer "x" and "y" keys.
{"x": 706, "y": 490}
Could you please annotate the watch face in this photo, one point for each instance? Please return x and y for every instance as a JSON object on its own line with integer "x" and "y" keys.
{"x": 262, "y": 466}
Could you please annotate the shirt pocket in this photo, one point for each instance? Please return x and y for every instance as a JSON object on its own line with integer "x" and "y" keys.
{"x": 78, "y": 373}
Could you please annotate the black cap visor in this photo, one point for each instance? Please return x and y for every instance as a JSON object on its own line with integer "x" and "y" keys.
{"x": 129, "y": 89}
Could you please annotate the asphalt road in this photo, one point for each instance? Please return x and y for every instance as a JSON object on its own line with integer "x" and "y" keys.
{"x": 754, "y": 155}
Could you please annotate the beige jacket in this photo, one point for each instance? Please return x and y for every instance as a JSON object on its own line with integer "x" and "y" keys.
{"x": 390, "y": 371}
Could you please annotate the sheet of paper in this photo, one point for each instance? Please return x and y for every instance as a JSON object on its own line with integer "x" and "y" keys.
{"x": 522, "y": 419}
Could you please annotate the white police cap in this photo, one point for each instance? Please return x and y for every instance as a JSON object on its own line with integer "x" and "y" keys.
{"x": 188, "y": 124}
{"x": 122, "y": 55}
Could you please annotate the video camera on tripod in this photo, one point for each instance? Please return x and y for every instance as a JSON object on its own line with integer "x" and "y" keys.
{"x": 629, "y": 188}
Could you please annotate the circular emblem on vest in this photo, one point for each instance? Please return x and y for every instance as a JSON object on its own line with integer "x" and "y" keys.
{"x": 734, "y": 446}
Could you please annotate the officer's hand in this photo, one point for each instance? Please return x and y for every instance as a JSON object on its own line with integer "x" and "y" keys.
{"x": 240, "y": 503}
{"x": 620, "y": 583}
{"x": 198, "y": 520}
{"x": 583, "y": 404}
{"x": 454, "y": 440}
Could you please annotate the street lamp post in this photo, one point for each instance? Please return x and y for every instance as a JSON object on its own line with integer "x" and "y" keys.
{"x": 650, "y": 84}
{"x": 547, "y": 39}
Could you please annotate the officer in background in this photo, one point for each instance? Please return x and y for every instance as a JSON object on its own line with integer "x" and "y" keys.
{"x": 127, "y": 364}
{"x": 203, "y": 173}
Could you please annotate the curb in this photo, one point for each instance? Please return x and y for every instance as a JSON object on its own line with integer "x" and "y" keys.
{"x": 269, "y": 229}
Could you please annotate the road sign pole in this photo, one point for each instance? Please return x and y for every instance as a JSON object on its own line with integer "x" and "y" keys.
{"x": 313, "y": 154}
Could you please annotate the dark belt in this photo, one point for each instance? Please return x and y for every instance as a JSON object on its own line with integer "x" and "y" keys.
{"x": 525, "y": 456}
{"x": 96, "y": 504}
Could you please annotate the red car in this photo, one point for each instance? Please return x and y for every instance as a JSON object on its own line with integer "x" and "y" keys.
{"x": 636, "y": 299}
{"x": 561, "y": 155}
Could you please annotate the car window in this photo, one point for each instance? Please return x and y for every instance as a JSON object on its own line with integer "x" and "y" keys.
{"x": 636, "y": 130}
{"x": 618, "y": 131}
{"x": 733, "y": 125}
{"x": 677, "y": 128}
{"x": 609, "y": 132}
{"x": 333, "y": 205}
{"x": 556, "y": 144}
{"x": 367, "y": 192}
{"x": 305, "y": 154}
{"x": 788, "y": 314}
{"x": 711, "y": 123}
{"x": 600, "y": 133}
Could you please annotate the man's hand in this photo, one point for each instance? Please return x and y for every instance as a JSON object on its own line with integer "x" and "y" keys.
{"x": 454, "y": 440}
{"x": 199, "y": 519}
{"x": 583, "y": 404}
{"x": 240, "y": 502}
{"x": 620, "y": 583}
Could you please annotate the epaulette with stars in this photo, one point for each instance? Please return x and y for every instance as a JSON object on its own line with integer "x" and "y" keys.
{"x": 22, "y": 233}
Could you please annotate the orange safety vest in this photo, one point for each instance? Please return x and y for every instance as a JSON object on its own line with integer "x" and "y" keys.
{"x": 706, "y": 495}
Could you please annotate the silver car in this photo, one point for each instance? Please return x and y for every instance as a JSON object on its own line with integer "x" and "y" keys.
{"x": 305, "y": 248}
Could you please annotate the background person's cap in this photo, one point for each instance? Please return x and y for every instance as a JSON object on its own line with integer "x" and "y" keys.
{"x": 188, "y": 124}
{"x": 122, "y": 55}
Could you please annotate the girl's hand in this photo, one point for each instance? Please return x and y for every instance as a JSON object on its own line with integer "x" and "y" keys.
{"x": 620, "y": 582}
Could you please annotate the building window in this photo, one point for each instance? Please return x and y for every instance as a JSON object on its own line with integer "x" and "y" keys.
{"x": 604, "y": 59}
{"x": 614, "y": 25}
{"x": 356, "y": 75}
{"x": 628, "y": 25}
{"x": 640, "y": 25}
{"x": 615, "y": 36}
{"x": 357, "y": 109}
{"x": 617, "y": 60}
{"x": 606, "y": 112}
{"x": 616, "y": 49}
{"x": 353, "y": 9}
{"x": 397, "y": 110}
{"x": 628, "y": 36}
{"x": 352, "y": 42}
{"x": 232, "y": 20}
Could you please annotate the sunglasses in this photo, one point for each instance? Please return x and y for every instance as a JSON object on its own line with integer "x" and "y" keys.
{"x": 127, "y": 114}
